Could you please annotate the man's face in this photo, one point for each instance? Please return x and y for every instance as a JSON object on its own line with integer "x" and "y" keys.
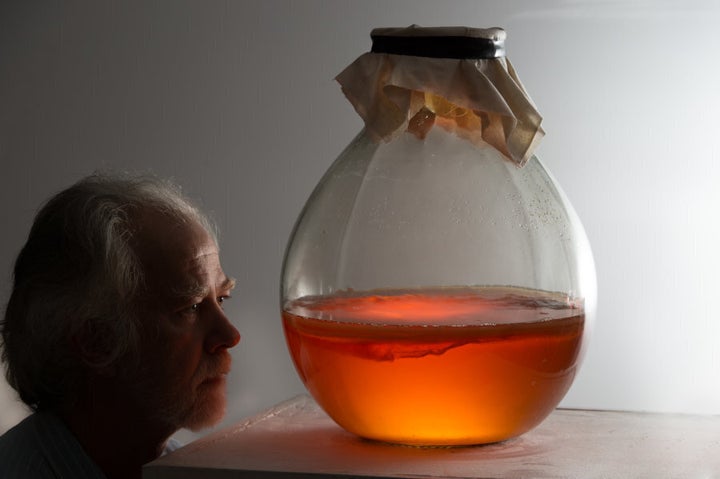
{"x": 185, "y": 333}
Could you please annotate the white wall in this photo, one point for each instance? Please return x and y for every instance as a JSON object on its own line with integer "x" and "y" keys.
{"x": 236, "y": 101}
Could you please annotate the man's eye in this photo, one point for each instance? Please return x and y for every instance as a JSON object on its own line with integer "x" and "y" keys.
{"x": 190, "y": 311}
{"x": 222, "y": 299}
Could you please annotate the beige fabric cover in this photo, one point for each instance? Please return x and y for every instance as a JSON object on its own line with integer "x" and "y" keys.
{"x": 482, "y": 101}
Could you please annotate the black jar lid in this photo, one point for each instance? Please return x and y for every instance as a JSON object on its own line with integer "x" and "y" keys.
{"x": 440, "y": 42}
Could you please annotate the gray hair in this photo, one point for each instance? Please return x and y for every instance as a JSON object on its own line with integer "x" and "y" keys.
{"x": 79, "y": 276}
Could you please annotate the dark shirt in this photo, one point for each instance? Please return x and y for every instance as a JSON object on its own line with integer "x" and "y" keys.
{"x": 42, "y": 447}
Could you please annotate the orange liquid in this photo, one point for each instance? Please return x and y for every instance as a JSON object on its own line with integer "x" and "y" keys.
{"x": 436, "y": 367}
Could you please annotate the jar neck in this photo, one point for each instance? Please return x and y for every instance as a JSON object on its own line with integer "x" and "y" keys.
{"x": 440, "y": 43}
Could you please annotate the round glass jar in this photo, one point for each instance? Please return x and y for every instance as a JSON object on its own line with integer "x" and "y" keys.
{"x": 438, "y": 288}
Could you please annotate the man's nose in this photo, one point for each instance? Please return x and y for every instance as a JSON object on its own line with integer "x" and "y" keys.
{"x": 222, "y": 334}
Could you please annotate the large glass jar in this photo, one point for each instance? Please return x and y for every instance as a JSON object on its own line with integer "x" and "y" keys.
{"x": 438, "y": 288}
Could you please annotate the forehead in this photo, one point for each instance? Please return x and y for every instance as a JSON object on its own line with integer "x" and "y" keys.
{"x": 172, "y": 250}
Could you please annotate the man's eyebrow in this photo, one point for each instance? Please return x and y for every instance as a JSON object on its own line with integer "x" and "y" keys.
{"x": 197, "y": 290}
{"x": 192, "y": 290}
{"x": 228, "y": 284}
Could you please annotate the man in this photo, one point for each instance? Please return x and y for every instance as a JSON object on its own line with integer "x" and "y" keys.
{"x": 114, "y": 334}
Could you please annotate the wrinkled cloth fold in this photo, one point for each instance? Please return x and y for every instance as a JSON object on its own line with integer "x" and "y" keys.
{"x": 488, "y": 103}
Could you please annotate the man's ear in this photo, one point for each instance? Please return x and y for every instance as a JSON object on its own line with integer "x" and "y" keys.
{"x": 94, "y": 345}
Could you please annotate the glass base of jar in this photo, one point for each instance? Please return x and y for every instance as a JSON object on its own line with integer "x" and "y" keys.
{"x": 442, "y": 382}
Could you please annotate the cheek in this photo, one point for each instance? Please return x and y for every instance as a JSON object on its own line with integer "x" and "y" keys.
{"x": 178, "y": 355}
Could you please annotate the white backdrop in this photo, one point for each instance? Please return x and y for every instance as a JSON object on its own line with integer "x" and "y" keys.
{"x": 236, "y": 101}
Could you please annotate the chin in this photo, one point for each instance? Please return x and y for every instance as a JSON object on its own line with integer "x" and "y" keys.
{"x": 204, "y": 419}
{"x": 207, "y": 410}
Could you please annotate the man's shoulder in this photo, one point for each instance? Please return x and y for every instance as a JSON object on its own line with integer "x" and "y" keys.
{"x": 19, "y": 437}
{"x": 20, "y": 452}
{"x": 41, "y": 447}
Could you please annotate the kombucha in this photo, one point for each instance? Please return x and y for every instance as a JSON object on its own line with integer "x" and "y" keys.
{"x": 451, "y": 366}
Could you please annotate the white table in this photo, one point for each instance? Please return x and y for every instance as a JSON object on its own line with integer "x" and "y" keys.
{"x": 296, "y": 439}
